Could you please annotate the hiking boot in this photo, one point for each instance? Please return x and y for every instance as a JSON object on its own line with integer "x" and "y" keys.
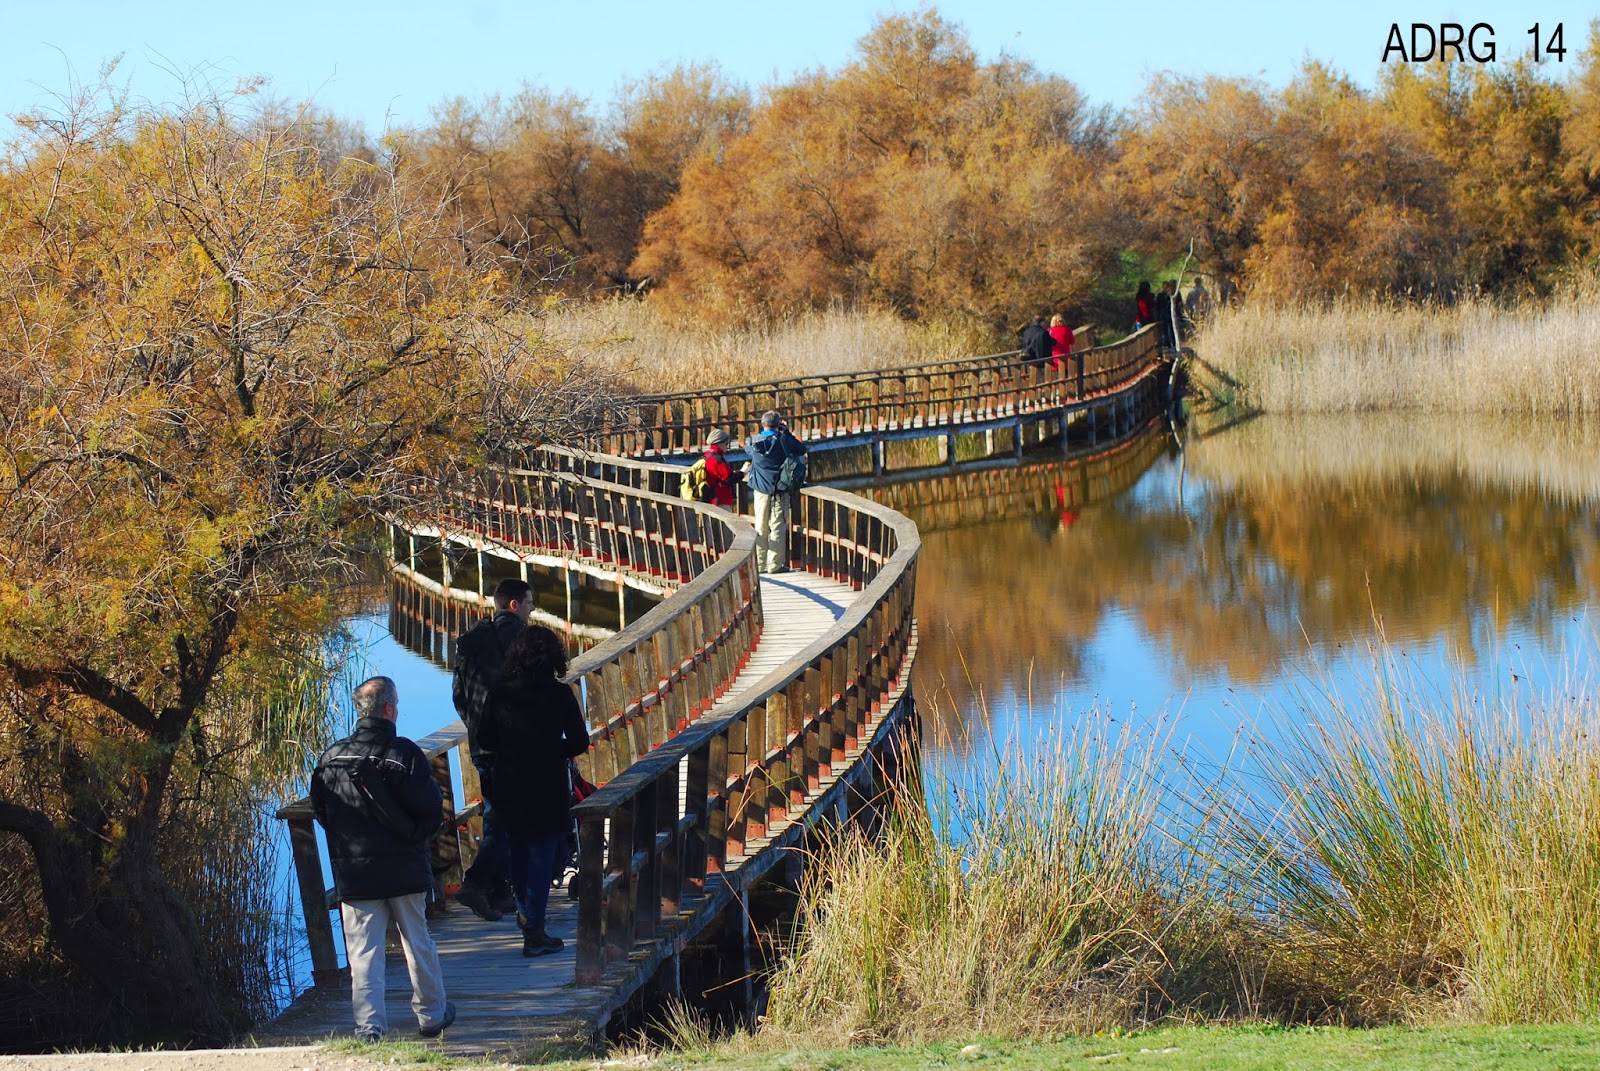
{"x": 435, "y": 1031}
{"x": 476, "y": 901}
{"x": 503, "y": 900}
{"x": 539, "y": 943}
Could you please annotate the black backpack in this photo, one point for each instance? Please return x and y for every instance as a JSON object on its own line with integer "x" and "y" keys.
{"x": 791, "y": 474}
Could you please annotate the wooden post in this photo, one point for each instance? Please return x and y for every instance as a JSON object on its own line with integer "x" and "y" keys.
{"x": 313, "y": 901}
{"x": 591, "y": 875}
{"x": 446, "y": 848}
{"x": 471, "y": 789}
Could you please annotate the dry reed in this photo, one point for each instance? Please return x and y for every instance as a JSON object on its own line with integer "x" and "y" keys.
{"x": 1365, "y": 354}
{"x": 1041, "y": 894}
{"x": 1423, "y": 853}
{"x": 630, "y": 339}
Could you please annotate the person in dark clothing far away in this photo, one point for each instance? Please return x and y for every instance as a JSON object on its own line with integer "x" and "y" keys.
{"x": 486, "y": 887}
{"x": 1144, "y": 305}
{"x": 1036, "y": 342}
{"x": 531, "y": 726}
{"x": 376, "y": 798}
{"x": 769, "y": 449}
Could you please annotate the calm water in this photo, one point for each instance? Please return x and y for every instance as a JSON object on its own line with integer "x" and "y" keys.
{"x": 1211, "y": 585}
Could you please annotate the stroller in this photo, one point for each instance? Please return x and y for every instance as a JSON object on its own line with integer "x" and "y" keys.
{"x": 567, "y": 869}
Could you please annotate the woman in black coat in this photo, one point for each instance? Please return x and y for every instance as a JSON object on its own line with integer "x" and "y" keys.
{"x": 532, "y": 726}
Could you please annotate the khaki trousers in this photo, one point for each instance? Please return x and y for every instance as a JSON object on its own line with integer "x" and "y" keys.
{"x": 772, "y": 531}
{"x": 365, "y": 923}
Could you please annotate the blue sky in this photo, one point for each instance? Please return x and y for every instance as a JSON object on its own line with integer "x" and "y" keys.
{"x": 391, "y": 62}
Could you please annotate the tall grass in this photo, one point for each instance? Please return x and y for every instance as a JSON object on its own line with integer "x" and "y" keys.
{"x": 1387, "y": 853}
{"x": 1040, "y": 894}
{"x": 1477, "y": 356}
{"x": 1423, "y": 854}
{"x": 630, "y": 339}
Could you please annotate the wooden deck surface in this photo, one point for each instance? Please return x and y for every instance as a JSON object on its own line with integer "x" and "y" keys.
{"x": 505, "y": 1002}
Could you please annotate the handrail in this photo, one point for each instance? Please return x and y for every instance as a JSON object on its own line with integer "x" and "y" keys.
{"x": 638, "y": 687}
{"x": 848, "y": 403}
{"x": 749, "y": 772}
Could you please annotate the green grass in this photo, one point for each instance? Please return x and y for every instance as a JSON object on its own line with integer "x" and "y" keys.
{"x": 1190, "y": 1048}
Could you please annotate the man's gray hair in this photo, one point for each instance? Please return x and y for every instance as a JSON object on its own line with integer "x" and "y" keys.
{"x": 372, "y": 695}
{"x": 770, "y": 419}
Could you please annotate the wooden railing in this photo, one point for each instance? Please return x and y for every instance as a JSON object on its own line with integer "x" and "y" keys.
{"x": 849, "y": 403}
{"x": 647, "y": 844}
{"x": 648, "y": 681}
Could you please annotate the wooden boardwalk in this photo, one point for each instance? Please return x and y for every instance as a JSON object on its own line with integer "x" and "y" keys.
{"x": 505, "y": 1002}
{"x": 731, "y": 721}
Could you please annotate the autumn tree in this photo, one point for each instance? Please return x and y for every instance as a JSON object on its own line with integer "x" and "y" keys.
{"x": 916, "y": 177}
{"x": 1363, "y": 206}
{"x": 1581, "y": 142}
{"x": 1498, "y": 135}
{"x": 1206, "y": 160}
{"x": 221, "y": 351}
{"x": 545, "y": 183}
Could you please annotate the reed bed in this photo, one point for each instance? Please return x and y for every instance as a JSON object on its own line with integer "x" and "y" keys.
{"x": 1390, "y": 852}
{"x": 1476, "y": 356}
{"x": 1041, "y": 894}
{"x": 1425, "y": 853}
{"x": 1555, "y": 457}
{"x": 629, "y": 339}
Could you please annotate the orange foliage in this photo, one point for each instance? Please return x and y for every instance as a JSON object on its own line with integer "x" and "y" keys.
{"x": 916, "y": 177}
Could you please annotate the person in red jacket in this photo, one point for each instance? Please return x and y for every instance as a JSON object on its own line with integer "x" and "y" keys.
{"x": 1144, "y": 306}
{"x": 1060, "y": 340}
{"x": 720, "y": 478}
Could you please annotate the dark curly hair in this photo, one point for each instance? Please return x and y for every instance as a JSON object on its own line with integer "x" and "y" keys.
{"x": 535, "y": 654}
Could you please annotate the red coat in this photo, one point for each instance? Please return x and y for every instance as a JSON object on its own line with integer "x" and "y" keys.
{"x": 719, "y": 477}
{"x": 1061, "y": 340}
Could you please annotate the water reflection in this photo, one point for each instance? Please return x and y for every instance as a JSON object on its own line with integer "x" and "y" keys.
{"x": 1217, "y": 576}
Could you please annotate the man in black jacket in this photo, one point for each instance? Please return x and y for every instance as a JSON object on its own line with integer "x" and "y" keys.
{"x": 486, "y": 886}
{"x": 376, "y": 798}
{"x": 1036, "y": 342}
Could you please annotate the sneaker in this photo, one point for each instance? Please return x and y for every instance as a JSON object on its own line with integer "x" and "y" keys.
{"x": 503, "y": 901}
{"x": 435, "y": 1031}
{"x": 476, "y": 901}
{"x": 370, "y": 1037}
{"x": 539, "y": 943}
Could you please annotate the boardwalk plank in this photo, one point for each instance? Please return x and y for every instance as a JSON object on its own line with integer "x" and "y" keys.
{"x": 505, "y": 1002}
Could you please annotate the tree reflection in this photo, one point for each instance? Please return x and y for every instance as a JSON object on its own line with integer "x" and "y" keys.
{"x": 1286, "y": 534}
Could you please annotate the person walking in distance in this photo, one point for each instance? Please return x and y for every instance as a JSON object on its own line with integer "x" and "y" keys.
{"x": 376, "y": 798}
{"x": 1035, "y": 340}
{"x": 532, "y": 725}
{"x": 486, "y": 886}
{"x": 1061, "y": 341}
{"x": 776, "y": 470}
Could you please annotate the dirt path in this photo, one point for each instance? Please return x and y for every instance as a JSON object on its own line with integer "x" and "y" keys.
{"x": 306, "y": 1058}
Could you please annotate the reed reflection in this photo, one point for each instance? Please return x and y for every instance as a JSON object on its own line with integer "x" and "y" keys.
{"x": 1269, "y": 544}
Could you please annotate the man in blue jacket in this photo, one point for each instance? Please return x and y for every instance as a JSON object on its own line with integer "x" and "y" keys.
{"x": 376, "y": 798}
{"x": 771, "y": 484}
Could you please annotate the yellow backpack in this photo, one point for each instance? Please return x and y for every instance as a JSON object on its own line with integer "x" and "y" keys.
{"x": 694, "y": 485}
